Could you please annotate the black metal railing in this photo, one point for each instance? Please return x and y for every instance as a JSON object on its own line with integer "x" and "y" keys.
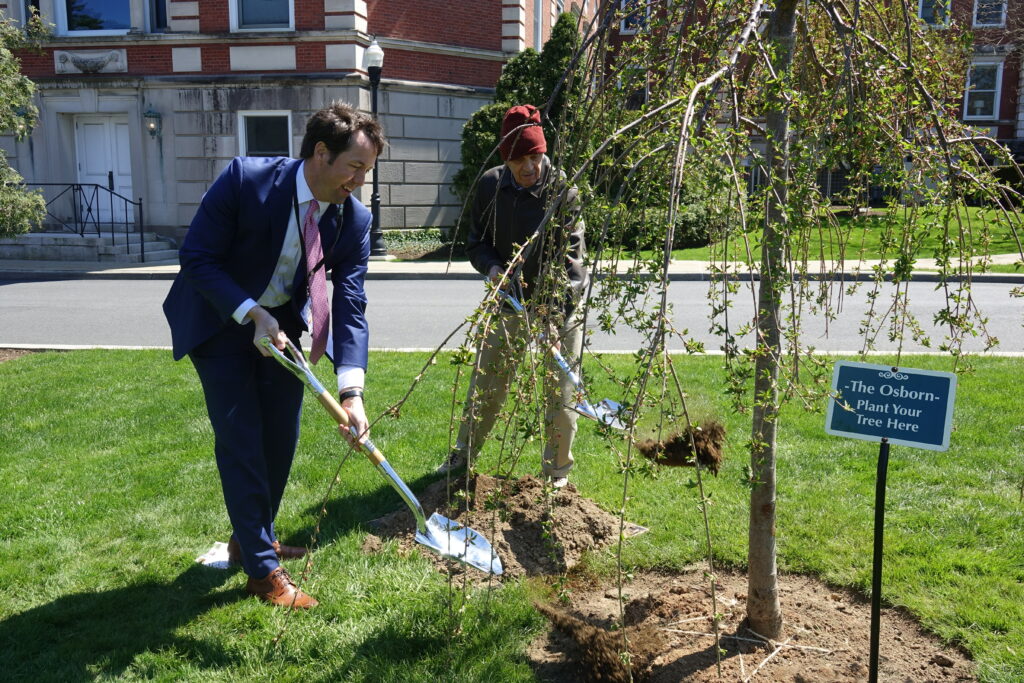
{"x": 92, "y": 209}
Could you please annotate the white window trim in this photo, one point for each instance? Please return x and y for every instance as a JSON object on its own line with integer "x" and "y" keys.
{"x": 1002, "y": 17}
{"x": 938, "y": 24}
{"x": 243, "y": 144}
{"x": 622, "y": 22}
{"x": 60, "y": 10}
{"x": 233, "y": 16}
{"x": 997, "y": 95}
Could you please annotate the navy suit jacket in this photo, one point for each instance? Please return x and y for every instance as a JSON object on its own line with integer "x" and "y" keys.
{"x": 234, "y": 243}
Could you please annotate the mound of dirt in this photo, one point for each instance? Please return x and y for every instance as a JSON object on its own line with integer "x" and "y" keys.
{"x": 668, "y": 627}
{"x": 678, "y": 450}
{"x": 535, "y": 529}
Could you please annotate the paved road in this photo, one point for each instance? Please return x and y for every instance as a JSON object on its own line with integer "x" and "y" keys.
{"x": 420, "y": 314}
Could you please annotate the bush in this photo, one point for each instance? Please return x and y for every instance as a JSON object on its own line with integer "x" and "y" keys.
{"x": 479, "y": 147}
{"x": 703, "y": 215}
{"x": 528, "y": 78}
{"x": 423, "y": 243}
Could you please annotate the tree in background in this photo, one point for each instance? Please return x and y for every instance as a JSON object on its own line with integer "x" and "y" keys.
{"x": 20, "y": 208}
{"x": 528, "y": 78}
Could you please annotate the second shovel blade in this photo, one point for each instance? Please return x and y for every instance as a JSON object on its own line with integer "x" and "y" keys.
{"x": 607, "y": 411}
{"x": 611, "y": 413}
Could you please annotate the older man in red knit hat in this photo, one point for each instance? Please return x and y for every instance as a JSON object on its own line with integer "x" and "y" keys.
{"x": 508, "y": 223}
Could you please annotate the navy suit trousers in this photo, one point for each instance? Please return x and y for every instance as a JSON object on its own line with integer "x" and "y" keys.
{"x": 254, "y": 406}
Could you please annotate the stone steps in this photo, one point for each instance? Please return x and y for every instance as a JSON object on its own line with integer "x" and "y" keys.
{"x": 53, "y": 246}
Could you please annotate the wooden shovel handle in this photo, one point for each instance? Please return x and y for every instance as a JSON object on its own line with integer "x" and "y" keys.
{"x": 332, "y": 406}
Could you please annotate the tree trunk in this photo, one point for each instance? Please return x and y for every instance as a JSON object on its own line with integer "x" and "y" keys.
{"x": 764, "y": 613}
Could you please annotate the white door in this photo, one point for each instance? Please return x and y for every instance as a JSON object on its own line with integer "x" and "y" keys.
{"x": 103, "y": 154}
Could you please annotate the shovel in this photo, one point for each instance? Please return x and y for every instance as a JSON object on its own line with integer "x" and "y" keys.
{"x": 607, "y": 411}
{"x": 442, "y": 535}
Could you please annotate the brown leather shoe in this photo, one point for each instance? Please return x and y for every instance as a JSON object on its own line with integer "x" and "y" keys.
{"x": 284, "y": 552}
{"x": 277, "y": 588}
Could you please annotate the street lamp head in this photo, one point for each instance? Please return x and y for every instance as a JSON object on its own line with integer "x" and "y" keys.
{"x": 374, "y": 56}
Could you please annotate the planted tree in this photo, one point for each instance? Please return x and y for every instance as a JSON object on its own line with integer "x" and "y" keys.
{"x": 758, "y": 111}
{"x": 763, "y": 106}
{"x": 762, "y": 103}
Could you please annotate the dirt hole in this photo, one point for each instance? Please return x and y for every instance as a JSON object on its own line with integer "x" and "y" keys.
{"x": 664, "y": 617}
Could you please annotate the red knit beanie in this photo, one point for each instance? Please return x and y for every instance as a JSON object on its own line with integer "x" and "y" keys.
{"x": 528, "y": 139}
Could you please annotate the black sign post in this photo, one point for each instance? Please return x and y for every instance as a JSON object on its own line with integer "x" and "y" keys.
{"x": 876, "y": 569}
{"x": 889, "y": 405}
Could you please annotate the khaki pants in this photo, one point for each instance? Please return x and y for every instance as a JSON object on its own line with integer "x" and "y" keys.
{"x": 497, "y": 358}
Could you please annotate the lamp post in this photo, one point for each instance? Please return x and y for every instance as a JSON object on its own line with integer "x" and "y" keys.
{"x": 373, "y": 61}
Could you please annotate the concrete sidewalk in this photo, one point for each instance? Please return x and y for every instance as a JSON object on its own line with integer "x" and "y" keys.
{"x": 27, "y": 270}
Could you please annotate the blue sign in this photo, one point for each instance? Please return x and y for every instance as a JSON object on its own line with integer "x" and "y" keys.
{"x": 906, "y": 406}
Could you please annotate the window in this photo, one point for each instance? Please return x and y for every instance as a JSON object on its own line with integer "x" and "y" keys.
{"x": 634, "y": 16}
{"x": 158, "y": 16}
{"x": 983, "y": 84}
{"x": 261, "y": 15}
{"x": 989, "y": 12}
{"x": 98, "y": 17}
{"x": 265, "y": 133}
{"x": 934, "y": 12}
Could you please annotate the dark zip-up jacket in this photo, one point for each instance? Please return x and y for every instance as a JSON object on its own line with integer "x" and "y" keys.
{"x": 505, "y": 216}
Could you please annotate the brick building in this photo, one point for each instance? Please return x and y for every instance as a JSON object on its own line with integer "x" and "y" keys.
{"x": 156, "y": 96}
{"x": 991, "y": 104}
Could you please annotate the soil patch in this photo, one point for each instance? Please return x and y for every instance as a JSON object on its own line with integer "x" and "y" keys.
{"x": 535, "y": 529}
{"x": 10, "y": 354}
{"x": 667, "y": 624}
{"x": 678, "y": 450}
{"x": 664, "y": 623}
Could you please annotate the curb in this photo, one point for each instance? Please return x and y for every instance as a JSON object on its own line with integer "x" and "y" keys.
{"x": 142, "y": 274}
{"x": 43, "y": 276}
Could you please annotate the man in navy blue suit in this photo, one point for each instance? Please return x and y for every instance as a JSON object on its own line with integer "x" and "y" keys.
{"x": 253, "y": 265}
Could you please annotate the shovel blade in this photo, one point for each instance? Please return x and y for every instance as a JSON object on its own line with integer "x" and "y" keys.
{"x": 611, "y": 413}
{"x": 607, "y": 411}
{"x": 451, "y": 539}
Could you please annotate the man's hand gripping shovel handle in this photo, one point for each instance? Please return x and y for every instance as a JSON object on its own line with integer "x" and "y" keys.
{"x": 294, "y": 360}
{"x": 559, "y": 358}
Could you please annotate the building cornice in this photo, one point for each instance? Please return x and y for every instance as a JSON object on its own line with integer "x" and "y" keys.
{"x": 243, "y": 80}
{"x": 241, "y": 37}
{"x": 440, "y": 49}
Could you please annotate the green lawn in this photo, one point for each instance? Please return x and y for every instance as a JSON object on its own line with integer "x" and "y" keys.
{"x": 862, "y": 238}
{"x": 110, "y": 492}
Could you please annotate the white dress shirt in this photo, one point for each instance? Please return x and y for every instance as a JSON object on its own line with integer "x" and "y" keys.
{"x": 279, "y": 289}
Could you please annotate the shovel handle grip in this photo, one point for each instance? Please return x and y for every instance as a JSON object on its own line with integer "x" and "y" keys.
{"x": 335, "y": 410}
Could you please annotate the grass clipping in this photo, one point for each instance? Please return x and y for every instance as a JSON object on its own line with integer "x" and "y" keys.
{"x": 695, "y": 444}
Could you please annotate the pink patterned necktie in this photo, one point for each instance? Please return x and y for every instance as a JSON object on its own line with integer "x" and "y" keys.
{"x": 317, "y": 283}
